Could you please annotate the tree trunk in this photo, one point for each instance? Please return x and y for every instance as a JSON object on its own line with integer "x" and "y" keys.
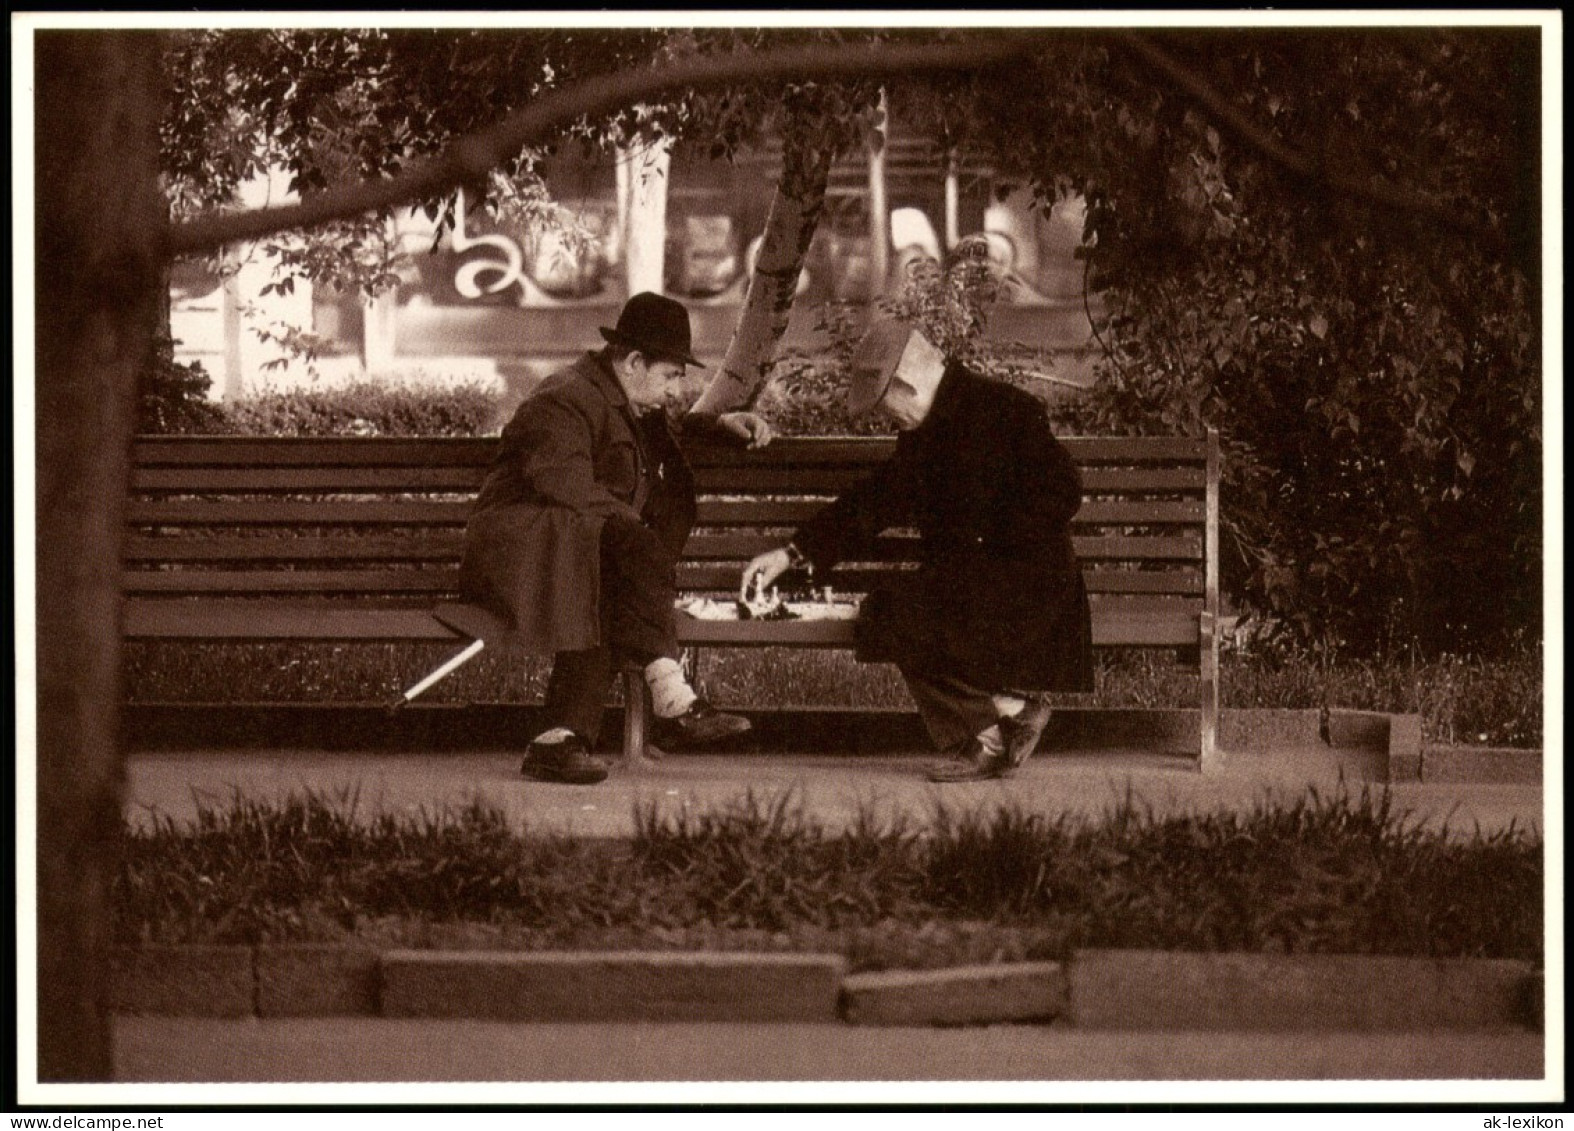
{"x": 645, "y": 166}
{"x": 789, "y": 226}
{"x": 99, "y": 224}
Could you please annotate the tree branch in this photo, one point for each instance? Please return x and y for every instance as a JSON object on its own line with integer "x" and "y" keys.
{"x": 1293, "y": 160}
{"x": 471, "y": 157}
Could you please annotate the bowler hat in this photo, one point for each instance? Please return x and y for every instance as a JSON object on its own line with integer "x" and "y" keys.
{"x": 655, "y": 325}
{"x": 874, "y": 363}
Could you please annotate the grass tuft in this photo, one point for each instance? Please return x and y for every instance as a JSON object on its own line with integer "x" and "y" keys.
{"x": 1331, "y": 873}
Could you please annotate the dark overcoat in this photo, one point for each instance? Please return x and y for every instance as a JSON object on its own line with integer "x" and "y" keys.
{"x": 998, "y": 599}
{"x": 573, "y": 454}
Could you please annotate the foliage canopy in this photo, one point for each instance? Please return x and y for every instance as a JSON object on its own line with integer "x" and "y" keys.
{"x": 1322, "y": 242}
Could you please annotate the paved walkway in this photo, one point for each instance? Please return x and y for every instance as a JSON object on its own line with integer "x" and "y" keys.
{"x": 832, "y": 789}
{"x": 368, "y": 1049}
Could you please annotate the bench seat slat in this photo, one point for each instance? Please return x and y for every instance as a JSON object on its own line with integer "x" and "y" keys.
{"x": 259, "y": 620}
{"x": 1112, "y": 628}
{"x": 271, "y": 620}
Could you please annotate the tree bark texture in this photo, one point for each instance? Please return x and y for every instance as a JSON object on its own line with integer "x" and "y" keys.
{"x": 99, "y": 226}
{"x": 647, "y": 166}
{"x": 789, "y": 227}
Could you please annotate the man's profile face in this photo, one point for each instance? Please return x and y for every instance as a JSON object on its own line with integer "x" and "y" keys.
{"x": 651, "y": 382}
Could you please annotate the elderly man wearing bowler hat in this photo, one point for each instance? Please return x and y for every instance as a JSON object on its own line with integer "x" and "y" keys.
{"x": 997, "y": 613}
{"x": 577, "y": 530}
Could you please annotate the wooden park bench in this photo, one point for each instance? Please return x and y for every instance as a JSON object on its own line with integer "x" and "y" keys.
{"x": 359, "y": 539}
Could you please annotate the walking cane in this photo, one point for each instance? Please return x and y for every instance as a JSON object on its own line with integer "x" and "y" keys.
{"x": 446, "y": 668}
{"x": 474, "y": 622}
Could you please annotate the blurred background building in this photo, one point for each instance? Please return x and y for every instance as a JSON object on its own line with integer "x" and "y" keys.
{"x": 509, "y": 303}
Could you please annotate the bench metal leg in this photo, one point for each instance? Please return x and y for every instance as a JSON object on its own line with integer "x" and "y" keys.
{"x": 446, "y": 668}
{"x": 1209, "y": 757}
{"x": 638, "y": 751}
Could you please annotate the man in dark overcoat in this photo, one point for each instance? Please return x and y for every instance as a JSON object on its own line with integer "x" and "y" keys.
{"x": 997, "y": 613}
{"x": 576, "y": 533}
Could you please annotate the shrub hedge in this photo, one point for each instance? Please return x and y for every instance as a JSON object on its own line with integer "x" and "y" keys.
{"x": 368, "y": 408}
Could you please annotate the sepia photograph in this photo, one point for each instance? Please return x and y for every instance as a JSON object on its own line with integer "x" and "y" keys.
{"x": 810, "y": 559}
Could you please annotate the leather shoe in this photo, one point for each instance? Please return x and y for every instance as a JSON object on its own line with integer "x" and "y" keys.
{"x": 701, "y": 723}
{"x": 569, "y": 761}
{"x": 1021, "y": 731}
{"x": 972, "y": 763}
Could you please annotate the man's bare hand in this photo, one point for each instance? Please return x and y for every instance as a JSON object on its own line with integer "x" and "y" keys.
{"x": 754, "y": 430}
{"x": 763, "y": 570}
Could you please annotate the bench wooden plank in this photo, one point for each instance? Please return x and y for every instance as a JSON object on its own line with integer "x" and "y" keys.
{"x": 447, "y": 546}
{"x": 831, "y": 480}
{"x": 857, "y": 577}
{"x": 273, "y": 512}
{"x": 807, "y": 451}
{"x": 478, "y": 451}
{"x": 436, "y": 582}
{"x": 182, "y": 511}
{"x": 257, "y": 620}
{"x": 423, "y": 546}
{"x": 1115, "y": 629}
{"x": 314, "y": 451}
{"x": 897, "y": 548}
{"x": 306, "y": 480}
{"x": 444, "y": 582}
{"x": 1097, "y": 512}
{"x": 264, "y": 620}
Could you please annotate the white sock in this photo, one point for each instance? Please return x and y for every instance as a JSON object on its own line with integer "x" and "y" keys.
{"x": 1006, "y": 706}
{"x": 670, "y": 693}
{"x": 989, "y": 738}
{"x": 553, "y": 736}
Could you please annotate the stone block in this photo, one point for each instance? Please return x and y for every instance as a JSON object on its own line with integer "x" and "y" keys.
{"x": 1404, "y": 748}
{"x": 1480, "y": 763}
{"x": 1121, "y": 989}
{"x": 184, "y": 981}
{"x": 316, "y": 981}
{"x": 963, "y": 995}
{"x": 612, "y": 986}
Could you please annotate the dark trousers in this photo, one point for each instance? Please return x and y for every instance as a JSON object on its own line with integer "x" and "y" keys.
{"x": 952, "y": 709}
{"x": 638, "y": 586}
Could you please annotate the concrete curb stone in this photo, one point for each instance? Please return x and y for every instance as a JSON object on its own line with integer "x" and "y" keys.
{"x": 317, "y": 981}
{"x": 1404, "y": 747}
{"x": 612, "y": 986}
{"x": 962, "y": 995}
{"x": 1135, "y": 989}
{"x": 184, "y": 981}
{"x": 1096, "y": 989}
{"x": 1481, "y": 763}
